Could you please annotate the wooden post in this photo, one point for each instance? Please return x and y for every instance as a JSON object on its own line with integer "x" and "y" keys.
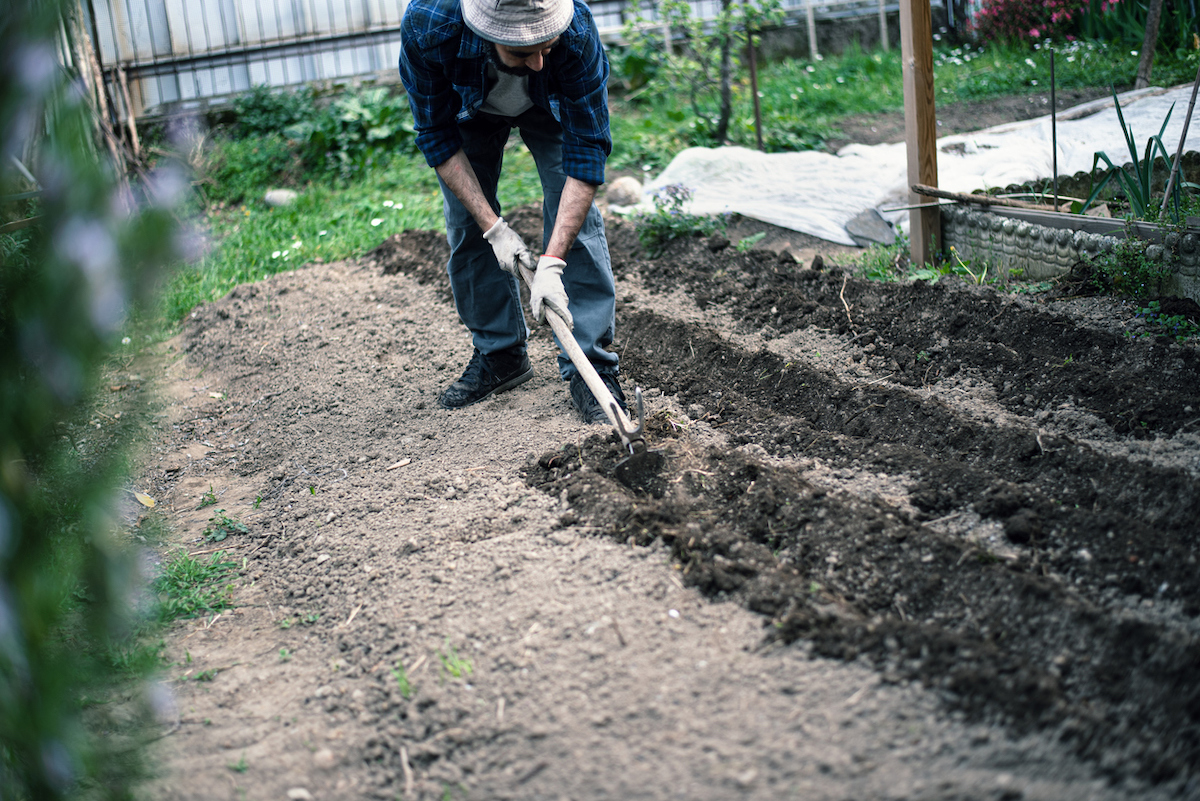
{"x": 130, "y": 116}
{"x": 1149, "y": 43}
{"x": 920, "y": 124}
{"x": 810, "y": 16}
{"x": 754, "y": 87}
{"x": 883, "y": 31}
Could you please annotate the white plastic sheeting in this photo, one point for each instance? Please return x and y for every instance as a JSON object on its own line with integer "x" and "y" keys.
{"x": 818, "y": 193}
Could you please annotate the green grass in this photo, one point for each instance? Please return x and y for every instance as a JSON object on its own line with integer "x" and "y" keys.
{"x": 803, "y": 101}
{"x": 331, "y": 220}
{"x": 190, "y": 587}
{"x": 974, "y": 73}
{"x": 402, "y": 680}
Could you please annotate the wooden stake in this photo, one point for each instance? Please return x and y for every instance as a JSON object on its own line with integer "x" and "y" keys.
{"x": 920, "y": 123}
{"x": 93, "y": 77}
{"x": 982, "y": 200}
{"x": 1187, "y": 121}
{"x": 130, "y": 117}
{"x": 810, "y": 18}
{"x": 883, "y": 31}
{"x": 754, "y": 88}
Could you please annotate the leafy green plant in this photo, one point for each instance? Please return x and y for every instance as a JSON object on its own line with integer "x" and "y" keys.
{"x": 209, "y": 498}
{"x": 285, "y": 655}
{"x": 452, "y": 663}
{"x": 669, "y": 221}
{"x": 241, "y": 766}
{"x": 233, "y": 171}
{"x": 978, "y": 273}
{"x": 221, "y": 525}
{"x": 885, "y": 262}
{"x": 356, "y": 132}
{"x": 954, "y": 264}
{"x": 1173, "y": 326}
{"x": 1126, "y": 270}
{"x": 265, "y": 112}
{"x": 188, "y": 587}
{"x": 1137, "y": 181}
{"x": 1027, "y": 20}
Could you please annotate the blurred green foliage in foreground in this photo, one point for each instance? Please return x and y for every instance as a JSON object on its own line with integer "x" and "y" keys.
{"x": 66, "y": 281}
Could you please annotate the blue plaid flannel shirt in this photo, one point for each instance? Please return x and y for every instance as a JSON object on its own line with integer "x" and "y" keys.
{"x": 443, "y": 65}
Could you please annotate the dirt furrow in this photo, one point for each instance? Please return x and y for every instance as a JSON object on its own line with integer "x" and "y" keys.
{"x": 1074, "y": 609}
{"x": 1035, "y": 355}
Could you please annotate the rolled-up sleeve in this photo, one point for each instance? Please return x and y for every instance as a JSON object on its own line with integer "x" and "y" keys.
{"x": 431, "y": 94}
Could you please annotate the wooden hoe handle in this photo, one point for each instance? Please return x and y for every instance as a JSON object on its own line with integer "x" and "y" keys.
{"x": 590, "y": 377}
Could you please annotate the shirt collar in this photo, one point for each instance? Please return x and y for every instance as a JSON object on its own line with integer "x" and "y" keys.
{"x": 472, "y": 45}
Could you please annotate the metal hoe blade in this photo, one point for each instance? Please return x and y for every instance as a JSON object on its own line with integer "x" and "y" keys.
{"x": 642, "y": 469}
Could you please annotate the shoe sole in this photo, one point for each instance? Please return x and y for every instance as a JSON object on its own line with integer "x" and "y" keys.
{"x": 507, "y": 385}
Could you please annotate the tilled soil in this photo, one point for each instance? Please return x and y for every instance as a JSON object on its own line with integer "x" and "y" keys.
{"x": 923, "y": 541}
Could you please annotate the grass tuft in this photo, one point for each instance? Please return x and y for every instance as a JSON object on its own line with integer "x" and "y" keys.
{"x": 190, "y": 587}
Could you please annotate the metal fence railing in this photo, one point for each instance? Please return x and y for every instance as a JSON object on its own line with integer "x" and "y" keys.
{"x": 161, "y": 55}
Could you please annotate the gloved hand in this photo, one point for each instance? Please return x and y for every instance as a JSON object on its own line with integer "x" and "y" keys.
{"x": 508, "y": 247}
{"x": 547, "y": 290}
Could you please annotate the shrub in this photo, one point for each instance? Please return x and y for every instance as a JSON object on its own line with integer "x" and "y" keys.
{"x": 1127, "y": 271}
{"x": 240, "y": 168}
{"x": 263, "y": 112}
{"x": 356, "y": 132}
{"x": 1028, "y": 20}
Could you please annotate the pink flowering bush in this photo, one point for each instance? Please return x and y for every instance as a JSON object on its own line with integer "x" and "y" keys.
{"x": 1030, "y": 20}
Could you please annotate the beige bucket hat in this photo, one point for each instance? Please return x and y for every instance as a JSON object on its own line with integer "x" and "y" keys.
{"x": 518, "y": 23}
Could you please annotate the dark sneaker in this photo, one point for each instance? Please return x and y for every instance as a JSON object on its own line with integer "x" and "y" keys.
{"x": 486, "y": 375}
{"x": 587, "y": 405}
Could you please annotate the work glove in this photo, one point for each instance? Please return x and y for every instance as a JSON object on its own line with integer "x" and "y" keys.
{"x": 509, "y": 247}
{"x": 547, "y": 290}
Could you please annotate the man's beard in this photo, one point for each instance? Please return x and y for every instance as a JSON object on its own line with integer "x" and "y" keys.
{"x": 494, "y": 57}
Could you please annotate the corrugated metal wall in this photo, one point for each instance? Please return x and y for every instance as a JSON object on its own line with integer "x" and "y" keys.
{"x": 186, "y": 54}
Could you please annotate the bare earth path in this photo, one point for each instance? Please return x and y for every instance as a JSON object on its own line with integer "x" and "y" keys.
{"x": 822, "y": 604}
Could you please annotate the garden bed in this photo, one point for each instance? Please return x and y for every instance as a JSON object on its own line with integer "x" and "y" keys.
{"x": 1039, "y": 245}
{"x": 915, "y": 540}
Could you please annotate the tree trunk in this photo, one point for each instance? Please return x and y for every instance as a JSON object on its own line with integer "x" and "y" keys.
{"x": 1146, "y": 62}
{"x": 726, "y": 75}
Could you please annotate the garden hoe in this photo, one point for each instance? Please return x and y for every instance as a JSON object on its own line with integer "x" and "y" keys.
{"x": 640, "y": 470}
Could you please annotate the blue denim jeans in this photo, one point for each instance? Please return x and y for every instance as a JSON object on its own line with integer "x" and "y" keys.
{"x": 487, "y": 298}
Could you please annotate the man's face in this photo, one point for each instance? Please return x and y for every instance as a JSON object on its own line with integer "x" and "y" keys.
{"x": 522, "y": 60}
